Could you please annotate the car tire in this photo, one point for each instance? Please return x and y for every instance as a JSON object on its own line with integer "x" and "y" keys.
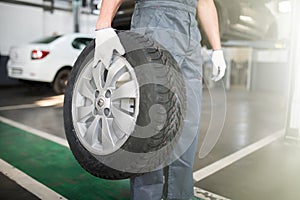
{"x": 61, "y": 80}
{"x": 166, "y": 90}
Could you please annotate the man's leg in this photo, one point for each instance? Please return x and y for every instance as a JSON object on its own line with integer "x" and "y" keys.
{"x": 180, "y": 172}
{"x": 180, "y": 175}
{"x": 148, "y": 186}
{"x": 150, "y": 22}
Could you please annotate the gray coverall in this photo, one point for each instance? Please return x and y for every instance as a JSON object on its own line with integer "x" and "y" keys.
{"x": 173, "y": 24}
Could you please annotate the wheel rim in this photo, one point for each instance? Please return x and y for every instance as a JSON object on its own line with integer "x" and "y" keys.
{"x": 105, "y": 105}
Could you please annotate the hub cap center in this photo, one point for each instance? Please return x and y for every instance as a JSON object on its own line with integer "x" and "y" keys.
{"x": 101, "y": 102}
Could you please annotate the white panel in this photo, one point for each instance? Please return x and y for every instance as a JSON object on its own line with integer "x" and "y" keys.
{"x": 88, "y": 23}
{"x": 58, "y": 22}
{"x": 282, "y": 19}
{"x": 22, "y": 24}
{"x": 272, "y": 56}
{"x": 19, "y": 25}
{"x": 295, "y": 111}
{"x": 295, "y": 63}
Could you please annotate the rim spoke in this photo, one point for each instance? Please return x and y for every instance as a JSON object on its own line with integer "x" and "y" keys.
{"x": 112, "y": 72}
{"x": 124, "y": 121}
{"x": 127, "y": 90}
{"x": 92, "y": 132}
{"x": 86, "y": 89}
{"x": 97, "y": 75}
{"x": 119, "y": 134}
{"x": 84, "y": 111}
{"x": 125, "y": 77}
{"x": 107, "y": 138}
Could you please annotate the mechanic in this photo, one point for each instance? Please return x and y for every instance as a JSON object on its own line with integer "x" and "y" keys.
{"x": 175, "y": 18}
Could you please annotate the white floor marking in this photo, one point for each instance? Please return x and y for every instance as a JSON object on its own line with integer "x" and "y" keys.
{"x": 46, "y": 102}
{"x": 51, "y": 101}
{"x": 30, "y": 184}
{"x": 206, "y": 195}
{"x": 224, "y": 162}
{"x": 17, "y": 107}
{"x": 34, "y": 131}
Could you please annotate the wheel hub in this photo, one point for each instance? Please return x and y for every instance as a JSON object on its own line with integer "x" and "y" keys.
{"x": 101, "y": 102}
{"x": 105, "y": 105}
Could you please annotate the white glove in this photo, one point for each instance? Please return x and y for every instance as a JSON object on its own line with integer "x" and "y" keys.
{"x": 219, "y": 65}
{"x": 106, "y": 42}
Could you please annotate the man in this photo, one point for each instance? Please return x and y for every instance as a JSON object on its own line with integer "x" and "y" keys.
{"x": 173, "y": 24}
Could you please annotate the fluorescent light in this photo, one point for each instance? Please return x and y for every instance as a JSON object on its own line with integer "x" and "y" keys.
{"x": 284, "y": 6}
{"x": 246, "y": 18}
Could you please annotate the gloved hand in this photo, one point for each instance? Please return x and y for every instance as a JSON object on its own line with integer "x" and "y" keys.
{"x": 106, "y": 41}
{"x": 219, "y": 65}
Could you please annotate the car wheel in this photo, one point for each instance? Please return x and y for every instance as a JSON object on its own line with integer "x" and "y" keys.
{"x": 61, "y": 80}
{"x": 106, "y": 111}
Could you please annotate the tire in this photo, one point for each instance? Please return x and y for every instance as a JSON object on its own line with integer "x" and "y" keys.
{"x": 164, "y": 88}
{"x": 60, "y": 81}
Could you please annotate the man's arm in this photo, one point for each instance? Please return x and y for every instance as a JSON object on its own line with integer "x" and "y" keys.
{"x": 208, "y": 17}
{"x": 106, "y": 39}
{"x": 108, "y": 11}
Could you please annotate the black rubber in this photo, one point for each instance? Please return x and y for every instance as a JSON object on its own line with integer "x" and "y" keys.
{"x": 167, "y": 89}
{"x": 59, "y": 85}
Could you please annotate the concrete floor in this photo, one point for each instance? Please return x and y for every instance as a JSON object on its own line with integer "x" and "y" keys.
{"x": 269, "y": 173}
{"x": 11, "y": 190}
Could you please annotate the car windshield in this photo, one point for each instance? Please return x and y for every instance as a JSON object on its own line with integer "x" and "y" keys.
{"x": 47, "y": 40}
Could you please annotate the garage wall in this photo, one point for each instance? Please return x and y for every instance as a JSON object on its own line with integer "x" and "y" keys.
{"x": 63, "y": 22}
{"x": 270, "y": 71}
{"x": 18, "y": 25}
{"x": 283, "y": 28}
{"x": 21, "y": 24}
{"x": 58, "y": 22}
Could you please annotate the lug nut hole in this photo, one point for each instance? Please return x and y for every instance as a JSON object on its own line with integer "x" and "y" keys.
{"x": 97, "y": 93}
{"x": 108, "y": 94}
{"x": 106, "y": 111}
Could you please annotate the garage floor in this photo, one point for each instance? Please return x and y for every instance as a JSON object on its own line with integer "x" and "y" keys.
{"x": 251, "y": 160}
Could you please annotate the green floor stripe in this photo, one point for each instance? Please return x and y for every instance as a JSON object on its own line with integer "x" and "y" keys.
{"x": 54, "y": 166}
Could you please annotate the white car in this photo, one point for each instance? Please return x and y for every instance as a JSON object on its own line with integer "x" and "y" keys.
{"x": 47, "y": 60}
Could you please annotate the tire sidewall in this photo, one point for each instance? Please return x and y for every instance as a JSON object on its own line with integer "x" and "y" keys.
{"x": 58, "y": 89}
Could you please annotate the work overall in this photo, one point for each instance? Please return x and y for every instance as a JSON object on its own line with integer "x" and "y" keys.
{"x": 173, "y": 24}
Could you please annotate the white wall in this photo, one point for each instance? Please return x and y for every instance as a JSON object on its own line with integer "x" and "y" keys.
{"x": 58, "y": 22}
{"x": 283, "y": 21}
{"x": 21, "y": 24}
{"x": 88, "y": 23}
{"x": 63, "y": 22}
